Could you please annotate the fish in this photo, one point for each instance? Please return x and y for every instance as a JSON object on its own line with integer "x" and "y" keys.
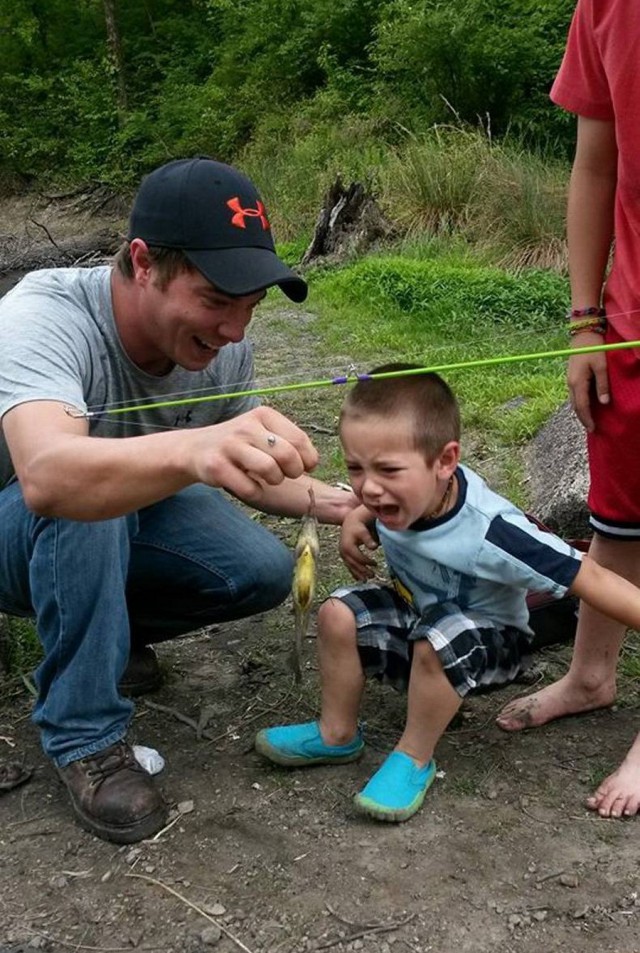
{"x": 304, "y": 581}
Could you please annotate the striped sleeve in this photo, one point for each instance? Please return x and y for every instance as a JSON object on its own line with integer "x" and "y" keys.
{"x": 516, "y": 552}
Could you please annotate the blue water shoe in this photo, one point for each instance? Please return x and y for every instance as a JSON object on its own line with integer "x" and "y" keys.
{"x": 397, "y": 789}
{"x": 299, "y": 746}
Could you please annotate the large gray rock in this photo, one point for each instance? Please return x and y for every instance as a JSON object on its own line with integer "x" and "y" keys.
{"x": 557, "y": 468}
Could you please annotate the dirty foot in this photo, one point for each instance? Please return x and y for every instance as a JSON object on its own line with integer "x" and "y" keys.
{"x": 554, "y": 701}
{"x": 619, "y": 794}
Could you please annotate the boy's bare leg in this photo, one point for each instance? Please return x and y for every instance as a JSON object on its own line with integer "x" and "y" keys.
{"x": 591, "y": 680}
{"x": 431, "y": 704}
{"x": 340, "y": 672}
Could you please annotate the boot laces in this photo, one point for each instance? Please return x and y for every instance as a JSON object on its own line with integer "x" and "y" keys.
{"x": 108, "y": 762}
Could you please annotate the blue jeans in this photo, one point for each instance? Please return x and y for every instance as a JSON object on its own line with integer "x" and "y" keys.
{"x": 96, "y": 588}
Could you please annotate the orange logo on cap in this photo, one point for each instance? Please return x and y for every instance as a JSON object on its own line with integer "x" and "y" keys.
{"x": 240, "y": 213}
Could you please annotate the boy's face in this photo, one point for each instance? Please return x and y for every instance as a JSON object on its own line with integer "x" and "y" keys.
{"x": 388, "y": 474}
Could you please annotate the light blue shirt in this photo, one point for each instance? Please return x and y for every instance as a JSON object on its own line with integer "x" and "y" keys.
{"x": 483, "y": 555}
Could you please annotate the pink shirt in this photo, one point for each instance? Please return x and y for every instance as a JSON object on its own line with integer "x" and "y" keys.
{"x": 600, "y": 79}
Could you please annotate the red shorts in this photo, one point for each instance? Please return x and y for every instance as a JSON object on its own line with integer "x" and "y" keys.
{"x": 614, "y": 449}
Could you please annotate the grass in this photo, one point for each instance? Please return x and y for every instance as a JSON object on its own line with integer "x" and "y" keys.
{"x": 447, "y": 309}
{"x": 477, "y": 269}
{"x": 629, "y": 670}
{"x": 598, "y": 771}
{"x": 447, "y": 183}
{"x": 20, "y": 649}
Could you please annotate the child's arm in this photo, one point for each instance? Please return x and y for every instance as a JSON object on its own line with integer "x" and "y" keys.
{"x": 357, "y": 535}
{"x": 608, "y": 593}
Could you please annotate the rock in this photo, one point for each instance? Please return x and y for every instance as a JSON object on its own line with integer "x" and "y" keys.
{"x": 59, "y": 882}
{"x": 215, "y": 909}
{"x": 212, "y": 935}
{"x": 569, "y": 880}
{"x": 38, "y": 943}
{"x": 556, "y": 462}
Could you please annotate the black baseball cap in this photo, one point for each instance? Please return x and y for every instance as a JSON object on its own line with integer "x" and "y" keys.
{"x": 213, "y": 213}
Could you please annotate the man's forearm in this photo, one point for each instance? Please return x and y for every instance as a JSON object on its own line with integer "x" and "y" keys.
{"x": 93, "y": 478}
{"x": 291, "y": 498}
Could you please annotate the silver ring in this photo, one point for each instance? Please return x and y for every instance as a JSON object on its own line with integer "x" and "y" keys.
{"x": 271, "y": 440}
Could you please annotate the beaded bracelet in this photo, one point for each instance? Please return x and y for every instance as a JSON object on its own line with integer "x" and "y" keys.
{"x": 585, "y": 312}
{"x": 596, "y": 325}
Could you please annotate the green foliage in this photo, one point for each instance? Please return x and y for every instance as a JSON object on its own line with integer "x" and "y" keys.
{"x": 443, "y": 311}
{"x": 429, "y": 296}
{"x": 19, "y": 644}
{"x": 212, "y": 76}
{"x": 478, "y": 60}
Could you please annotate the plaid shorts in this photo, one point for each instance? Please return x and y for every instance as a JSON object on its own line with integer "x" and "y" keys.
{"x": 474, "y": 652}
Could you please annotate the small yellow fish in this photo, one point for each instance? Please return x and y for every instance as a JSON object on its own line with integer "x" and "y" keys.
{"x": 304, "y": 580}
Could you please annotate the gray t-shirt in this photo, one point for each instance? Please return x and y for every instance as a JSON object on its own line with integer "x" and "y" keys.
{"x": 58, "y": 341}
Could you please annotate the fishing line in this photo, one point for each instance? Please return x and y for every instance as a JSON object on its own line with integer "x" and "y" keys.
{"x": 352, "y": 375}
{"x": 220, "y": 391}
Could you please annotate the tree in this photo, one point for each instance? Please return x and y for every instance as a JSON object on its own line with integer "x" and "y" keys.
{"x": 115, "y": 51}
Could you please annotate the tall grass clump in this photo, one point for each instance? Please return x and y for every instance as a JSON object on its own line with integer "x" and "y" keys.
{"x": 431, "y": 179}
{"x": 519, "y": 208}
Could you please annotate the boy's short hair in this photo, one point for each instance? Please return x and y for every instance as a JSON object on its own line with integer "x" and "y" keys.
{"x": 169, "y": 262}
{"x": 426, "y": 396}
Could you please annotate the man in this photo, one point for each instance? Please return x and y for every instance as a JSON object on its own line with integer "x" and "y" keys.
{"x": 598, "y": 81}
{"x": 113, "y": 529}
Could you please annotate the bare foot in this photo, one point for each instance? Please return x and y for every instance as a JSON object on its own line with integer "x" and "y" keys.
{"x": 619, "y": 794}
{"x": 554, "y": 701}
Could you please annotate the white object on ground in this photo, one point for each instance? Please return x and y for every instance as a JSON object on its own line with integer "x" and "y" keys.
{"x": 148, "y": 758}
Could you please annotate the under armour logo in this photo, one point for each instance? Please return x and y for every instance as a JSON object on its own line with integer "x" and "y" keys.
{"x": 183, "y": 418}
{"x": 240, "y": 213}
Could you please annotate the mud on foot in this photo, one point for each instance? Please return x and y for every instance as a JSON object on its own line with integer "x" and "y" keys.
{"x": 558, "y": 700}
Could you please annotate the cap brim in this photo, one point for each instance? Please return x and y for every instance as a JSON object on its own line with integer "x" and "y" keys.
{"x": 243, "y": 271}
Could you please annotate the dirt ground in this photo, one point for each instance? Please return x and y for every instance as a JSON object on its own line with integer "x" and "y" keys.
{"x": 503, "y": 856}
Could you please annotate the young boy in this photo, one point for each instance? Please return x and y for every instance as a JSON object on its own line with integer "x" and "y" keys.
{"x": 461, "y": 560}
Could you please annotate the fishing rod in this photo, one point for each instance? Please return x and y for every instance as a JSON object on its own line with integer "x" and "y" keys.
{"x": 353, "y": 376}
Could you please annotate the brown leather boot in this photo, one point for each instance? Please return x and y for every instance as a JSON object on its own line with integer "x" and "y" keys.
{"x": 143, "y": 673}
{"x": 113, "y": 797}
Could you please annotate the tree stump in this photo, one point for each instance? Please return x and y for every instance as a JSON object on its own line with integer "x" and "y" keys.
{"x": 349, "y": 222}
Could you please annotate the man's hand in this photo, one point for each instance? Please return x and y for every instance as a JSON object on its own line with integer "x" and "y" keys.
{"x": 256, "y": 448}
{"x": 587, "y": 378}
{"x": 356, "y": 539}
